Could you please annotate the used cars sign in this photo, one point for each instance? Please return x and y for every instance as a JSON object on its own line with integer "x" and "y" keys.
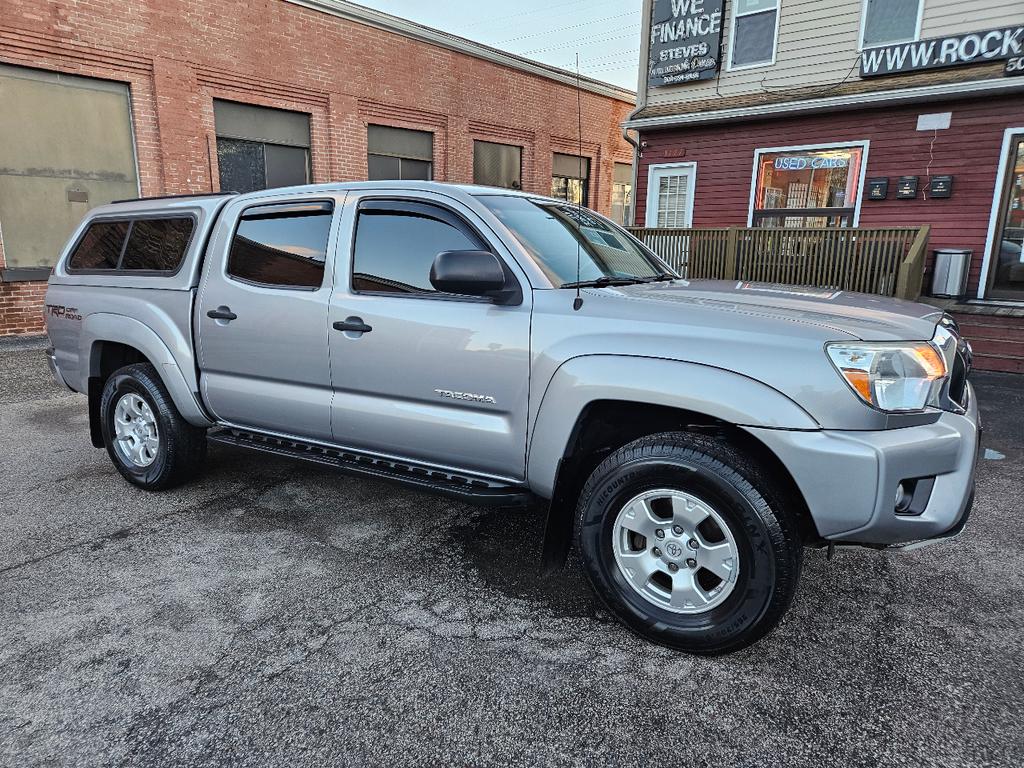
{"x": 686, "y": 41}
{"x": 973, "y": 48}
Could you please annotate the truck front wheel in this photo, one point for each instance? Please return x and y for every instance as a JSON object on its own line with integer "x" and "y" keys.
{"x": 688, "y": 543}
{"x": 151, "y": 445}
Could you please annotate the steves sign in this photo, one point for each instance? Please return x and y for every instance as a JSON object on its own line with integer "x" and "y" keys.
{"x": 973, "y": 48}
{"x": 686, "y": 41}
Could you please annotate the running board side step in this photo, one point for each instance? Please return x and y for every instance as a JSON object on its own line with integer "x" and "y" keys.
{"x": 469, "y": 488}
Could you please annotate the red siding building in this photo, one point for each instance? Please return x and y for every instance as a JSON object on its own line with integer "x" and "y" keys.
{"x": 843, "y": 113}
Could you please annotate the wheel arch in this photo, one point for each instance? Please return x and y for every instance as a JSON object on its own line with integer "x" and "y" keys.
{"x": 595, "y": 406}
{"x": 109, "y": 342}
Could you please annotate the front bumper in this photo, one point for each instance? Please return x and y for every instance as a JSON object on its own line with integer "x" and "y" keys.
{"x": 849, "y": 479}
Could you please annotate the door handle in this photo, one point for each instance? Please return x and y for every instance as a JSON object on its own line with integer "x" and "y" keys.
{"x": 352, "y": 325}
{"x": 222, "y": 313}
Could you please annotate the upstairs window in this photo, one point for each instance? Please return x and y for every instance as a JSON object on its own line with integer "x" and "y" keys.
{"x": 755, "y": 27}
{"x": 890, "y": 21}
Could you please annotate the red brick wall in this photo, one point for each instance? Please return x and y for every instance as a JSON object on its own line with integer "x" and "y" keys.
{"x": 969, "y": 150}
{"x": 178, "y": 55}
{"x": 21, "y": 308}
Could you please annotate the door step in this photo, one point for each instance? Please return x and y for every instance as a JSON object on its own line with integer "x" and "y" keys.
{"x": 466, "y": 487}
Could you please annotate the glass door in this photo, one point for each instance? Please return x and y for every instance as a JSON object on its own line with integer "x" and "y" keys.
{"x": 1006, "y": 273}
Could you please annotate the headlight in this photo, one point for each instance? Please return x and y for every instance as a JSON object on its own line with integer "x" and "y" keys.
{"x": 901, "y": 376}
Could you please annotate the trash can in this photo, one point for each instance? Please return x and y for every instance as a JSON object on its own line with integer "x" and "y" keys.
{"x": 949, "y": 274}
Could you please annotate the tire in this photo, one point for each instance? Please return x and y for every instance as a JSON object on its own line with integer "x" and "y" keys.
{"x": 167, "y": 450}
{"x": 739, "y": 567}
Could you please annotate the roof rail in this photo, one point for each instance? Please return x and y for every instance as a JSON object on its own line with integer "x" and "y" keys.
{"x": 172, "y": 197}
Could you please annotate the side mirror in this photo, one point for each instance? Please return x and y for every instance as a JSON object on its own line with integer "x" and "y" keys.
{"x": 470, "y": 273}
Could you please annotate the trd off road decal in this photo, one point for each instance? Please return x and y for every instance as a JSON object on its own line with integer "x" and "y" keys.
{"x": 64, "y": 313}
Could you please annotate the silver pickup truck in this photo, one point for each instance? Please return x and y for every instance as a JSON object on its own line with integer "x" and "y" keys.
{"x": 689, "y": 437}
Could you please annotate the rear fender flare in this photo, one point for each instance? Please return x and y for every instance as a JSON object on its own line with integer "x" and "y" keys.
{"x": 104, "y": 327}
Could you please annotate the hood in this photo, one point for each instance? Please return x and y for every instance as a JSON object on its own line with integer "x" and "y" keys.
{"x": 864, "y": 316}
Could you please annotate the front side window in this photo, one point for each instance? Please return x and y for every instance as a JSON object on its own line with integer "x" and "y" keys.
{"x": 100, "y": 246}
{"x": 157, "y": 245}
{"x": 890, "y": 21}
{"x": 398, "y": 153}
{"x": 554, "y": 233}
{"x": 807, "y": 188}
{"x": 754, "y": 27}
{"x": 570, "y": 177}
{"x": 282, "y": 246}
{"x": 396, "y": 244}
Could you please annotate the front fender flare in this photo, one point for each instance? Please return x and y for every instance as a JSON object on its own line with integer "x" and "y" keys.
{"x": 104, "y": 326}
{"x": 716, "y": 392}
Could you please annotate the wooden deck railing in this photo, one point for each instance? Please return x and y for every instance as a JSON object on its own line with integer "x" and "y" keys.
{"x": 887, "y": 261}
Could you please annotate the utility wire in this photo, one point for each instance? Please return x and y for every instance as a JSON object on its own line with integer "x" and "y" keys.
{"x": 570, "y": 26}
{"x": 589, "y": 38}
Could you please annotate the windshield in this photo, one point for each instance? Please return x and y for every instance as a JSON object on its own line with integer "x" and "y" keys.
{"x": 550, "y": 231}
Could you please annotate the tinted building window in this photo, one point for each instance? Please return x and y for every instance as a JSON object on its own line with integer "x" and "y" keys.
{"x": 890, "y": 21}
{"x": 398, "y": 153}
{"x": 100, "y": 248}
{"x": 570, "y": 177}
{"x": 260, "y": 148}
{"x": 157, "y": 244}
{"x": 282, "y": 246}
{"x": 497, "y": 165}
{"x": 395, "y": 249}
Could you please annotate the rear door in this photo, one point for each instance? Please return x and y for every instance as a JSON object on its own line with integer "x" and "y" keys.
{"x": 262, "y": 315}
{"x": 439, "y": 378}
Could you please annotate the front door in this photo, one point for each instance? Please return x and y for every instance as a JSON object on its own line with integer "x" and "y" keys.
{"x": 1006, "y": 270}
{"x": 419, "y": 374}
{"x": 262, "y": 317}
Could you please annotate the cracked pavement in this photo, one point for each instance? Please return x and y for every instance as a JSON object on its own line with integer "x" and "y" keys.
{"x": 278, "y": 613}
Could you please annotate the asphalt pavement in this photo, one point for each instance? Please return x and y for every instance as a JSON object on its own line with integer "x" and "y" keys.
{"x": 276, "y": 613}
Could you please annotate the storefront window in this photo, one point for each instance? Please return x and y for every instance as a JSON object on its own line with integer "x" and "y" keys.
{"x": 570, "y": 177}
{"x": 807, "y": 188}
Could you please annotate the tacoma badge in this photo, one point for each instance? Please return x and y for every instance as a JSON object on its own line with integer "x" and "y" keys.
{"x": 466, "y": 396}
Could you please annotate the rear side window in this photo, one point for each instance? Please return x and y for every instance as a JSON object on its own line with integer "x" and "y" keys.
{"x": 157, "y": 244}
{"x": 282, "y": 246}
{"x": 100, "y": 247}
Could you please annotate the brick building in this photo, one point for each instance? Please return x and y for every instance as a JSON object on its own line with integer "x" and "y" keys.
{"x": 112, "y": 99}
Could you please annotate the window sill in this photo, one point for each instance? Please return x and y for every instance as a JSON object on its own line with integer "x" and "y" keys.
{"x": 24, "y": 274}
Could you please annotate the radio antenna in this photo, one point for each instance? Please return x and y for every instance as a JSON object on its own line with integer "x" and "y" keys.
{"x": 578, "y": 301}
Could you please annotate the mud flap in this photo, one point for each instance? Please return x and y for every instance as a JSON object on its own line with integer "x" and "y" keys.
{"x": 95, "y": 419}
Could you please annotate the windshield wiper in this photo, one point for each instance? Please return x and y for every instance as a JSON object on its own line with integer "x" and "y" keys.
{"x": 603, "y": 282}
{"x": 656, "y": 279}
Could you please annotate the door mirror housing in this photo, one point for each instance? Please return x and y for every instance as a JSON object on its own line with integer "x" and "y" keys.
{"x": 472, "y": 273}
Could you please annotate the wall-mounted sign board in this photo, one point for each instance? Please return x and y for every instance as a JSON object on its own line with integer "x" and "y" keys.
{"x": 1014, "y": 67}
{"x": 939, "y": 52}
{"x": 940, "y": 186}
{"x": 878, "y": 189}
{"x": 906, "y": 188}
{"x": 686, "y": 41}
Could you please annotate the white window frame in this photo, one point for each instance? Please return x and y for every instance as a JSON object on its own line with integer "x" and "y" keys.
{"x": 864, "y": 26}
{"x": 997, "y": 204}
{"x": 863, "y": 144}
{"x": 729, "y": 66}
{"x": 651, "y": 210}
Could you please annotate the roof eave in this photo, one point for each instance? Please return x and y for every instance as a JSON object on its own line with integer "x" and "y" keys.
{"x": 832, "y": 103}
{"x": 406, "y": 28}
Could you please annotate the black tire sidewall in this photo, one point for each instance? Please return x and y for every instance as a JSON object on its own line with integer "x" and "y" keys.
{"x": 122, "y": 383}
{"x": 753, "y": 591}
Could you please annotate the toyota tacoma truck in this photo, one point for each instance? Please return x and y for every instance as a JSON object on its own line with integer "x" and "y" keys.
{"x": 688, "y": 437}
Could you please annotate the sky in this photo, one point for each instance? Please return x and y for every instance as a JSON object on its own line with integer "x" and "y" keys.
{"x": 605, "y": 33}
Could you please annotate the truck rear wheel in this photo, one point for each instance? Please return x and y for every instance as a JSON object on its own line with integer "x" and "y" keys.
{"x": 149, "y": 442}
{"x": 688, "y": 543}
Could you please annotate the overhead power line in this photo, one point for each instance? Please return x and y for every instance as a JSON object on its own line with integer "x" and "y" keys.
{"x": 570, "y": 26}
{"x": 590, "y": 39}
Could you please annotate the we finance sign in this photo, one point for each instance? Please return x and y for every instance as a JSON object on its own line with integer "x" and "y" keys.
{"x": 686, "y": 41}
{"x": 938, "y": 52}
